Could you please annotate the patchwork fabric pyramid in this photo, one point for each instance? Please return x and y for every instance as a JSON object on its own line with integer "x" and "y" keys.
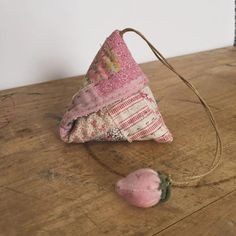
{"x": 115, "y": 102}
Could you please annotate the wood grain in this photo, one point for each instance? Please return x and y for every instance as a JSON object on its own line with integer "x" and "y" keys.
{"x": 48, "y": 187}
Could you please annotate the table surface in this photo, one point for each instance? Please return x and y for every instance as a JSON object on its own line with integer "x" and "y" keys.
{"x": 48, "y": 187}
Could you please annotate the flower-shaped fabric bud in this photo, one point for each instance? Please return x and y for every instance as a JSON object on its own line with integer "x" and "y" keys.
{"x": 144, "y": 187}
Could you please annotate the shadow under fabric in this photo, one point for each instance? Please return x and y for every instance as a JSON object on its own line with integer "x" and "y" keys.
{"x": 115, "y": 102}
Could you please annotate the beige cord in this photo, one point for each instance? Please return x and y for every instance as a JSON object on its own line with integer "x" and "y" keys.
{"x": 218, "y": 150}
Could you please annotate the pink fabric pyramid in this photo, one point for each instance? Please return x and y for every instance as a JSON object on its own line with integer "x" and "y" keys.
{"x": 115, "y": 102}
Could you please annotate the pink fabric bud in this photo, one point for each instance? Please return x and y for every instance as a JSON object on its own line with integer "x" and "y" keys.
{"x": 144, "y": 188}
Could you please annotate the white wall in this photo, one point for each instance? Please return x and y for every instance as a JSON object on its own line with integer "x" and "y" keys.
{"x": 42, "y": 40}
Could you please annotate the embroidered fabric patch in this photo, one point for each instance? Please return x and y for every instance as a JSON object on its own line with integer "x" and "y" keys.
{"x": 97, "y": 126}
{"x": 103, "y": 67}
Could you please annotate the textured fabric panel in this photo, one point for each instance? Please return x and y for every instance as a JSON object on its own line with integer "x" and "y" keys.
{"x": 97, "y": 126}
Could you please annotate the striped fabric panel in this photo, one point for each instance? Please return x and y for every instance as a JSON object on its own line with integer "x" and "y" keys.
{"x": 138, "y": 117}
{"x": 161, "y": 135}
{"x": 144, "y": 112}
{"x": 125, "y": 104}
{"x": 167, "y": 137}
{"x": 131, "y": 116}
{"x": 142, "y": 124}
{"x": 146, "y": 130}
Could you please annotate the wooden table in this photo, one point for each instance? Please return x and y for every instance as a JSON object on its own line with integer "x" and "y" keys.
{"x": 48, "y": 187}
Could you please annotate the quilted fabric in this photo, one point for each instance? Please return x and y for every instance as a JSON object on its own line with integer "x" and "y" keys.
{"x": 115, "y": 102}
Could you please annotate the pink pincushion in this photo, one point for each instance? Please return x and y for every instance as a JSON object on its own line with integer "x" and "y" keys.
{"x": 115, "y": 102}
{"x": 144, "y": 188}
